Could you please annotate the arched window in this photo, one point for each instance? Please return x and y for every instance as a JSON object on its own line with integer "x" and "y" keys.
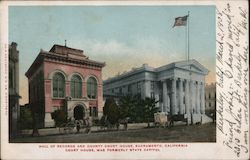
{"x": 91, "y": 87}
{"x": 58, "y": 85}
{"x": 76, "y": 87}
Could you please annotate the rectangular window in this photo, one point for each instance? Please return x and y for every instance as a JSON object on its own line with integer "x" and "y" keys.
{"x": 160, "y": 97}
{"x": 129, "y": 88}
{"x": 152, "y": 95}
{"x": 120, "y": 90}
{"x": 138, "y": 87}
{"x": 152, "y": 84}
{"x": 90, "y": 111}
{"x": 95, "y": 112}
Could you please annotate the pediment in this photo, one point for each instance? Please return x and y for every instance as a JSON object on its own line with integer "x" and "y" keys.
{"x": 192, "y": 65}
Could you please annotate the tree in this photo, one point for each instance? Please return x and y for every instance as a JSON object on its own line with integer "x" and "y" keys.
{"x": 25, "y": 118}
{"x": 131, "y": 106}
{"x": 127, "y": 107}
{"x": 111, "y": 110}
{"x": 59, "y": 116}
{"x": 139, "y": 110}
{"x": 149, "y": 109}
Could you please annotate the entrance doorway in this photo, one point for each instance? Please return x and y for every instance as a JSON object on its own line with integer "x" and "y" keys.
{"x": 79, "y": 112}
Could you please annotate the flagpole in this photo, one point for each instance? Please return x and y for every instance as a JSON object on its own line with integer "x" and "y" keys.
{"x": 190, "y": 77}
{"x": 187, "y": 39}
{"x": 187, "y": 30}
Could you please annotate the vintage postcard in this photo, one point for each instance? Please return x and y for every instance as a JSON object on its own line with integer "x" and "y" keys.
{"x": 124, "y": 79}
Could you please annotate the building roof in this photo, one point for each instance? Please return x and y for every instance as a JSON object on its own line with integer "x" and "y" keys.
{"x": 64, "y": 54}
{"x": 185, "y": 65}
{"x": 133, "y": 71}
{"x": 59, "y": 49}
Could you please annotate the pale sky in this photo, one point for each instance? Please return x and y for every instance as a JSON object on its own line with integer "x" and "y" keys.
{"x": 122, "y": 36}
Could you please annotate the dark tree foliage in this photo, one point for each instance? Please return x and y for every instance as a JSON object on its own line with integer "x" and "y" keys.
{"x": 149, "y": 109}
{"x": 111, "y": 110}
{"x": 127, "y": 107}
{"x": 59, "y": 116}
{"x": 26, "y": 118}
{"x": 139, "y": 110}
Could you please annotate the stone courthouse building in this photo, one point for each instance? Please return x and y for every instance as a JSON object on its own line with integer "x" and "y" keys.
{"x": 179, "y": 87}
{"x": 65, "y": 78}
{"x": 14, "y": 108}
{"x": 210, "y": 98}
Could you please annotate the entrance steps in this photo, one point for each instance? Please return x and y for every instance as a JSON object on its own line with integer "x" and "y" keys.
{"x": 206, "y": 119}
{"x": 201, "y": 118}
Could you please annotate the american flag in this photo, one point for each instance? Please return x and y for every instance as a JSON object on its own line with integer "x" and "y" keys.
{"x": 181, "y": 21}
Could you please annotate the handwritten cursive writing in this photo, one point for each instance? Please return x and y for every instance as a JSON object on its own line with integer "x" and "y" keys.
{"x": 232, "y": 72}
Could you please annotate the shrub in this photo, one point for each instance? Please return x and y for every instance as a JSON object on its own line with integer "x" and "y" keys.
{"x": 59, "y": 116}
{"x": 25, "y": 118}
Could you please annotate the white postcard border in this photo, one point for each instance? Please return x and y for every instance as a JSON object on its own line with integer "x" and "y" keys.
{"x": 218, "y": 150}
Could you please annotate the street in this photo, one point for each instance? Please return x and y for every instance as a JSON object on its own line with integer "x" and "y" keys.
{"x": 182, "y": 133}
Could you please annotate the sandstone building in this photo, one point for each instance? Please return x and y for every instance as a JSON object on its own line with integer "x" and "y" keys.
{"x": 210, "y": 99}
{"x": 179, "y": 87}
{"x": 65, "y": 78}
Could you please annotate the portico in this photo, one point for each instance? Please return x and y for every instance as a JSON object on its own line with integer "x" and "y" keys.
{"x": 183, "y": 85}
{"x": 182, "y": 93}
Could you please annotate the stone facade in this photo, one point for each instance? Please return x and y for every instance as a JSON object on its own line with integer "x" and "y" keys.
{"x": 14, "y": 108}
{"x": 64, "y": 78}
{"x": 179, "y": 87}
{"x": 210, "y": 99}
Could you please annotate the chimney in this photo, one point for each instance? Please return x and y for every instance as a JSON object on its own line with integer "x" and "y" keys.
{"x": 13, "y": 45}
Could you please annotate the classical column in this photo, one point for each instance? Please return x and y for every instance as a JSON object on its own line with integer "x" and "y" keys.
{"x": 147, "y": 89}
{"x": 187, "y": 99}
{"x": 164, "y": 96}
{"x": 173, "y": 99}
{"x": 198, "y": 97}
{"x": 181, "y": 109}
{"x": 192, "y": 87}
{"x": 202, "y": 98}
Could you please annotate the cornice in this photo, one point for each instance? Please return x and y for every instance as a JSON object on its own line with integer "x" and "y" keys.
{"x": 63, "y": 58}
